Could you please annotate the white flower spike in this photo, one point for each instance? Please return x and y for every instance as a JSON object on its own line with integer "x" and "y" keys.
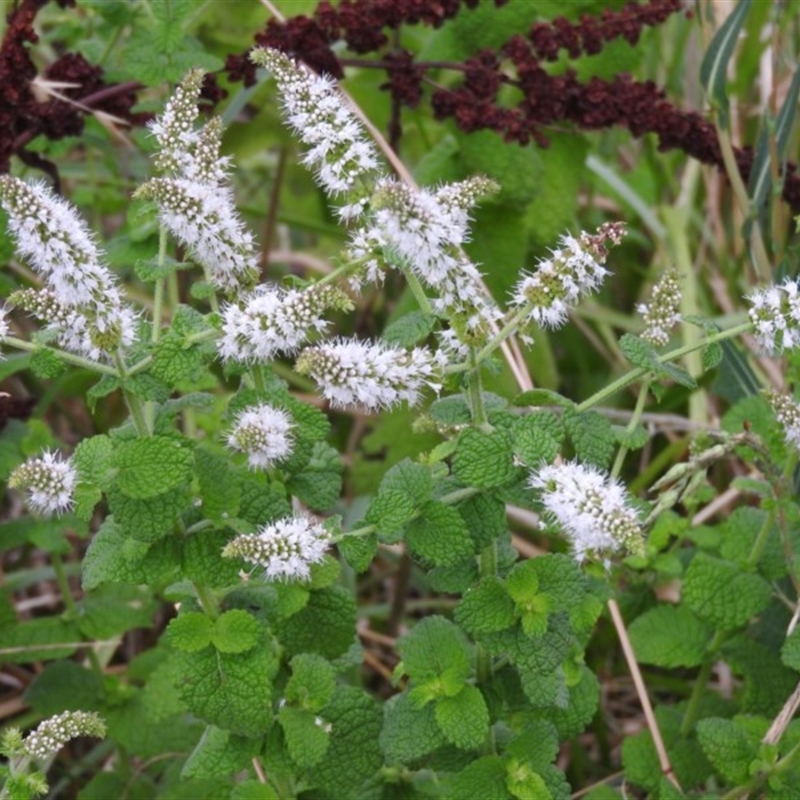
{"x": 285, "y": 549}
{"x": 49, "y": 481}
{"x": 264, "y": 434}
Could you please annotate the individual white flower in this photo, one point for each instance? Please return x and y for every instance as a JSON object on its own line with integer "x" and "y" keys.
{"x": 369, "y": 376}
{"x": 53, "y": 239}
{"x": 343, "y": 159}
{"x": 264, "y": 434}
{"x": 52, "y": 734}
{"x": 775, "y": 315}
{"x": 271, "y": 321}
{"x": 590, "y": 507}
{"x": 557, "y": 283}
{"x": 285, "y": 549}
{"x": 787, "y": 412}
{"x": 49, "y": 481}
{"x": 662, "y": 313}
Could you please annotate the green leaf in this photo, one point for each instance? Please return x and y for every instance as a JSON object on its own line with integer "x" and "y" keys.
{"x": 64, "y": 686}
{"x": 714, "y": 67}
{"x": 390, "y": 511}
{"x": 434, "y": 646}
{"x": 727, "y": 747}
{"x": 358, "y": 551}
{"x": 464, "y": 718}
{"x": 767, "y": 682}
{"x": 312, "y": 683}
{"x": 46, "y": 364}
{"x": 42, "y": 639}
{"x": 253, "y": 790}
{"x": 235, "y": 631}
{"x": 485, "y": 517}
{"x": 220, "y": 488}
{"x": 231, "y": 691}
{"x": 482, "y": 459}
{"x": 583, "y": 699}
{"x": 148, "y": 520}
{"x": 450, "y": 411}
{"x": 721, "y": 593}
{"x": 353, "y": 754}
{"x": 319, "y": 484}
{"x": 439, "y": 536}
{"x": 262, "y": 503}
{"x": 174, "y": 360}
{"x": 202, "y": 562}
{"x": 113, "y": 610}
{"x": 642, "y": 354}
{"x": 325, "y": 625}
{"x": 484, "y": 778}
{"x": 151, "y": 466}
{"x": 189, "y": 632}
{"x": 592, "y": 437}
{"x": 93, "y": 460}
{"x": 486, "y": 608}
{"x": 670, "y": 636}
{"x": 409, "y": 732}
{"x": 149, "y": 270}
{"x": 537, "y": 437}
{"x": 409, "y": 329}
{"x": 543, "y": 397}
{"x": 306, "y": 740}
{"x": 412, "y": 479}
{"x": 219, "y": 753}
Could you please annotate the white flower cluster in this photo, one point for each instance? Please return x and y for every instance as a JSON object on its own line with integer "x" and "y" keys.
{"x": 49, "y": 481}
{"x": 775, "y": 315}
{"x": 271, "y": 321}
{"x": 557, "y": 283}
{"x": 194, "y": 200}
{"x": 264, "y": 434}
{"x": 425, "y": 230}
{"x": 592, "y": 509}
{"x": 662, "y": 313}
{"x": 787, "y": 412}
{"x": 52, "y": 734}
{"x": 369, "y": 376}
{"x": 343, "y": 160}
{"x": 90, "y": 317}
{"x": 285, "y": 549}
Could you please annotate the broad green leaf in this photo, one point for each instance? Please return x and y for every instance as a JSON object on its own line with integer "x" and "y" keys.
{"x": 670, "y": 636}
{"x": 113, "y": 610}
{"x": 325, "y": 625}
{"x": 92, "y": 459}
{"x": 591, "y": 436}
{"x": 790, "y": 652}
{"x": 412, "y": 479}
{"x": 464, "y": 718}
{"x": 220, "y": 488}
{"x": 353, "y": 754}
{"x": 235, "y": 631}
{"x": 432, "y": 647}
{"x": 409, "y": 732}
{"x": 203, "y": 564}
{"x": 43, "y": 639}
{"x": 390, "y": 511}
{"x": 151, "y": 466}
{"x": 439, "y": 536}
{"x": 721, "y": 593}
{"x": 189, "y": 632}
{"x": 64, "y": 686}
{"x": 714, "y": 67}
{"x": 410, "y": 329}
{"x": 219, "y": 753}
{"x": 175, "y": 361}
{"x": 46, "y": 364}
{"x": 486, "y": 608}
{"x": 537, "y": 437}
{"x": 262, "y": 503}
{"x": 148, "y": 520}
{"x": 485, "y": 778}
{"x": 305, "y": 735}
{"x": 253, "y": 790}
{"x": 543, "y": 397}
{"x": 359, "y": 551}
{"x": 485, "y": 517}
{"x": 727, "y": 747}
{"x": 484, "y": 460}
{"x": 231, "y": 691}
{"x": 583, "y": 699}
{"x": 319, "y": 484}
{"x": 312, "y": 683}
{"x": 767, "y": 681}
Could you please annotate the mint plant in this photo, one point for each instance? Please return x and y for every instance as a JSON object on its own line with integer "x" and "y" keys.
{"x": 219, "y": 501}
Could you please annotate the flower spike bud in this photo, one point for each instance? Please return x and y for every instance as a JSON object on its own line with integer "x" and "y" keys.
{"x": 369, "y": 376}
{"x": 52, "y": 734}
{"x": 557, "y": 283}
{"x": 591, "y": 507}
{"x": 272, "y": 321}
{"x": 203, "y": 217}
{"x": 285, "y": 549}
{"x": 662, "y": 313}
{"x": 788, "y": 414}
{"x": 344, "y": 161}
{"x": 208, "y": 166}
{"x": 466, "y": 194}
{"x": 174, "y": 127}
{"x": 264, "y": 434}
{"x": 775, "y": 315}
{"x": 49, "y": 481}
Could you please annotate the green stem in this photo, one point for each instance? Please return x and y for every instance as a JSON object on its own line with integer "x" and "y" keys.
{"x": 69, "y": 358}
{"x": 133, "y": 402}
{"x": 638, "y": 372}
{"x": 634, "y": 421}
{"x": 475, "y": 390}
{"x": 699, "y": 688}
{"x": 208, "y": 600}
{"x": 419, "y": 293}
